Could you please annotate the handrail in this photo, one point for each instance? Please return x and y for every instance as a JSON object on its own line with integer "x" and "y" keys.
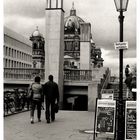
{"x": 106, "y": 78}
{"x": 104, "y": 81}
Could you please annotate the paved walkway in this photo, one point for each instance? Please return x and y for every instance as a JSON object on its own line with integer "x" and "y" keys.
{"x": 69, "y": 125}
{"x": 66, "y": 127}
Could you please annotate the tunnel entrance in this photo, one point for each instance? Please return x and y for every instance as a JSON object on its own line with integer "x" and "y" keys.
{"x": 75, "y": 102}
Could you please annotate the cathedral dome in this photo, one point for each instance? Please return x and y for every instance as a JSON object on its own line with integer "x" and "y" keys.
{"x": 72, "y": 21}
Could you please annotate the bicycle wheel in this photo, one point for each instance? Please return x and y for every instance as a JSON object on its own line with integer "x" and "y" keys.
{"x": 12, "y": 107}
{"x": 5, "y": 109}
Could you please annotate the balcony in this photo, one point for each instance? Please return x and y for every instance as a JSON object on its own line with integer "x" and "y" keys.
{"x": 22, "y": 74}
{"x": 77, "y": 75}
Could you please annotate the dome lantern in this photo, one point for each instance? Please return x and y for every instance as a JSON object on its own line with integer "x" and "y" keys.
{"x": 73, "y": 10}
{"x": 36, "y": 32}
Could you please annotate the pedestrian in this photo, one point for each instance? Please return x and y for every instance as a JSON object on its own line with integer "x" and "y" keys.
{"x": 51, "y": 94}
{"x": 128, "y": 74}
{"x": 128, "y": 71}
{"x": 17, "y": 99}
{"x": 133, "y": 86}
{"x": 36, "y": 97}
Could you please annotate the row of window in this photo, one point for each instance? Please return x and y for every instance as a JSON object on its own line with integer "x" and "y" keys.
{"x": 17, "y": 54}
{"x": 15, "y": 64}
{"x": 72, "y": 46}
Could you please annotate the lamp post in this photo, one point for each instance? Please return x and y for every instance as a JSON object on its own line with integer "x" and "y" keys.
{"x": 121, "y": 6}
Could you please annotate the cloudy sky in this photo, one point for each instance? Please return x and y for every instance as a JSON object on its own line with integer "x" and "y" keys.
{"x": 23, "y": 16}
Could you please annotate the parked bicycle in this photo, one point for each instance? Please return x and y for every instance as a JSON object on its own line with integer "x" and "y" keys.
{"x": 15, "y": 100}
{"x": 9, "y": 104}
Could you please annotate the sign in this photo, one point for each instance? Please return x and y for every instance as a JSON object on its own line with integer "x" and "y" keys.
{"x": 130, "y": 120}
{"x": 107, "y": 94}
{"x": 105, "y": 116}
{"x": 121, "y": 45}
{"x": 134, "y": 90}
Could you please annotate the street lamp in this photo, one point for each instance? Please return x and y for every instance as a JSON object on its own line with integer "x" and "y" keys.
{"x": 121, "y": 6}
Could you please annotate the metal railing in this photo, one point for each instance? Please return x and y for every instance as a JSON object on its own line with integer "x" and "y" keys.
{"x": 104, "y": 82}
{"x": 77, "y": 75}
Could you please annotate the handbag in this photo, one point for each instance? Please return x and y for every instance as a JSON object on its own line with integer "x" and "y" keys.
{"x": 30, "y": 93}
{"x": 56, "y": 108}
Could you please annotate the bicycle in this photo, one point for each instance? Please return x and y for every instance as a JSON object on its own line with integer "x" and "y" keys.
{"x": 9, "y": 104}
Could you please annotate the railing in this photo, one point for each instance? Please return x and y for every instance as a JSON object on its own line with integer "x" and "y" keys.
{"x": 30, "y": 73}
{"x": 77, "y": 75}
{"x": 23, "y": 73}
{"x": 104, "y": 82}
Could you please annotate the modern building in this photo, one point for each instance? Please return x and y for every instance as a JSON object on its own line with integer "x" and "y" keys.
{"x": 17, "y": 50}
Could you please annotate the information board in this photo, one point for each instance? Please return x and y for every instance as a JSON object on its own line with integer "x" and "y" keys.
{"x": 130, "y": 120}
{"x": 105, "y": 116}
{"x": 107, "y": 94}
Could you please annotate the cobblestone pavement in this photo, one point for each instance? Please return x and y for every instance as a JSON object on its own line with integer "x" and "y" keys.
{"x": 67, "y": 126}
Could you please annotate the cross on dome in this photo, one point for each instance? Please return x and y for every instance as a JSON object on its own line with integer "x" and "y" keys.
{"x": 72, "y": 5}
{"x": 37, "y": 28}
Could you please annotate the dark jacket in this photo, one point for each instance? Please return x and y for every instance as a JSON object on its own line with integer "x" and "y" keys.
{"x": 51, "y": 92}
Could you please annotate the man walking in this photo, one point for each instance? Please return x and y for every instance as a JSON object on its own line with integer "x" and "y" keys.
{"x": 51, "y": 94}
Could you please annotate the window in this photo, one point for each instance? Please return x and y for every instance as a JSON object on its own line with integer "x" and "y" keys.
{"x": 9, "y": 52}
{"x": 6, "y": 51}
{"x": 12, "y": 52}
{"x": 35, "y": 46}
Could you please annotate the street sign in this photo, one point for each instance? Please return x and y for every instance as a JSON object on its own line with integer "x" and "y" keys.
{"x": 121, "y": 45}
{"x": 130, "y": 120}
{"x": 105, "y": 116}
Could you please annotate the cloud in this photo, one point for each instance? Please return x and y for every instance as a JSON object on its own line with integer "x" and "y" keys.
{"x": 24, "y": 15}
{"x": 111, "y": 60}
{"x": 25, "y": 8}
{"x": 18, "y": 23}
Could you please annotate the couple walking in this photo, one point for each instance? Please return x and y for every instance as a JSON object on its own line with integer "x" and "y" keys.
{"x": 50, "y": 91}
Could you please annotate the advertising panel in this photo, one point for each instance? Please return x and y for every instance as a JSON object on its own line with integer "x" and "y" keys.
{"x": 130, "y": 120}
{"x": 105, "y": 116}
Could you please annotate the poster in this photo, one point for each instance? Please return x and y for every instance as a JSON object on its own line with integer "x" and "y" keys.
{"x": 105, "y": 116}
{"x": 130, "y": 120}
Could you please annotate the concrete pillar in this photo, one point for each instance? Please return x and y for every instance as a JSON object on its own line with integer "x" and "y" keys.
{"x": 92, "y": 95}
{"x": 54, "y": 44}
{"x": 85, "y": 55}
{"x": 85, "y": 33}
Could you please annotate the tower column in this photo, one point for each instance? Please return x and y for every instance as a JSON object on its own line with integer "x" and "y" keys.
{"x": 85, "y": 30}
{"x": 54, "y": 43}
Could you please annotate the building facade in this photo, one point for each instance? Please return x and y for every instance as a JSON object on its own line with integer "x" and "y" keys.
{"x": 38, "y": 52}
{"x": 73, "y": 59}
{"x": 17, "y": 50}
{"x": 80, "y": 51}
